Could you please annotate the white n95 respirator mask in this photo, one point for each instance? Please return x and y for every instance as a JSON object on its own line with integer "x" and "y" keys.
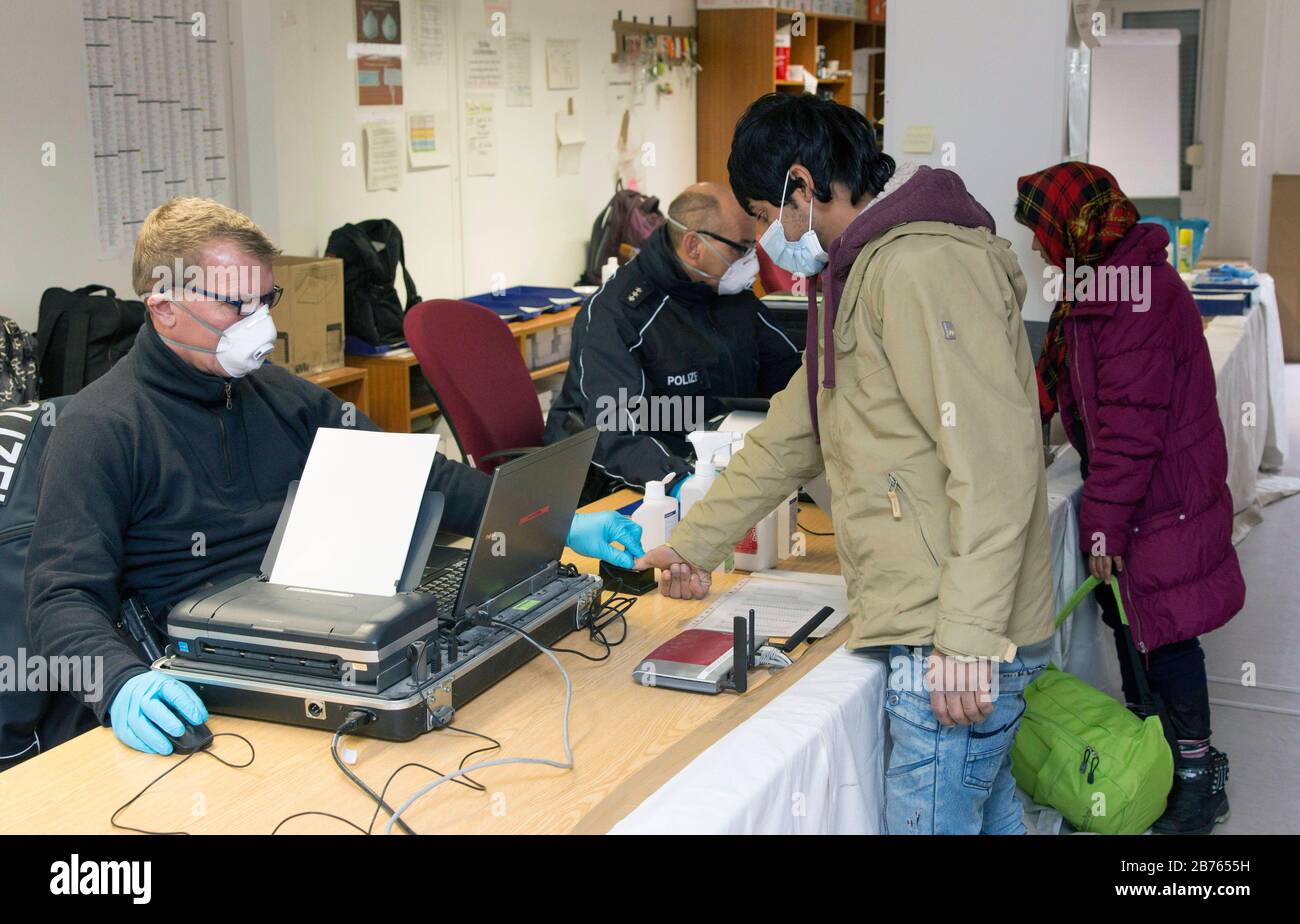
{"x": 739, "y": 274}
{"x": 243, "y": 346}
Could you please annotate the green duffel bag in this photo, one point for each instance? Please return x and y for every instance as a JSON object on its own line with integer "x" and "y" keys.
{"x": 1105, "y": 769}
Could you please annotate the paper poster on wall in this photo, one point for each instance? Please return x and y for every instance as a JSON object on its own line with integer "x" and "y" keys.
{"x": 484, "y": 62}
{"x": 569, "y": 139}
{"x": 562, "y": 64}
{"x": 383, "y": 151}
{"x": 428, "y": 143}
{"x": 379, "y": 77}
{"x": 480, "y": 136}
{"x": 431, "y": 38}
{"x": 176, "y": 146}
{"x": 519, "y": 70}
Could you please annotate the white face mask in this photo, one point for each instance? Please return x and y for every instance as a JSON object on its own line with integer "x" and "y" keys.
{"x": 738, "y": 276}
{"x": 243, "y": 346}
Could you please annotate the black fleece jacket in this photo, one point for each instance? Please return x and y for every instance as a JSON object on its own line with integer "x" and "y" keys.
{"x": 159, "y": 479}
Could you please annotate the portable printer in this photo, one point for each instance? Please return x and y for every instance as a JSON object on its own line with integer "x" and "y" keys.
{"x": 453, "y": 627}
{"x": 360, "y": 639}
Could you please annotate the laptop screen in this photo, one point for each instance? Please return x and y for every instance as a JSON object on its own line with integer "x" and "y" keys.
{"x": 527, "y": 517}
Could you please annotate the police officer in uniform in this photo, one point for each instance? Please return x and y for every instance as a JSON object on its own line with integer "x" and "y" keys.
{"x": 676, "y": 329}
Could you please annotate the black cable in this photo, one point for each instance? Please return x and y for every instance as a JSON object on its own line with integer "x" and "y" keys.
{"x": 495, "y": 745}
{"x": 466, "y": 781}
{"x": 351, "y": 824}
{"x": 615, "y": 609}
{"x": 812, "y": 532}
{"x": 369, "y": 829}
{"x": 505, "y": 625}
{"x": 252, "y": 755}
{"x": 355, "y": 719}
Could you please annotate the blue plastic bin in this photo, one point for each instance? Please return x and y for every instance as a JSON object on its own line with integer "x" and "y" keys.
{"x": 1198, "y": 226}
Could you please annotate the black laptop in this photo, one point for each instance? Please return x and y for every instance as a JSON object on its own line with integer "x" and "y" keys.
{"x": 525, "y": 523}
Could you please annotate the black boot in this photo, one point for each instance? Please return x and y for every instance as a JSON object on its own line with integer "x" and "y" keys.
{"x": 1199, "y": 798}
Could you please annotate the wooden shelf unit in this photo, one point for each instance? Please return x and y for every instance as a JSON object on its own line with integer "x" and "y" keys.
{"x": 389, "y": 374}
{"x": 737, "y": 54}
{"x": 349, "y": 383}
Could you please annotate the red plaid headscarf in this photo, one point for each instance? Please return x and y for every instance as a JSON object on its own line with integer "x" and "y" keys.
{"x": 1078, "y": 211}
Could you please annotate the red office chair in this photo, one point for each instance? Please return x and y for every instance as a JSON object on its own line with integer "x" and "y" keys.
{"x": 478, "y": 378}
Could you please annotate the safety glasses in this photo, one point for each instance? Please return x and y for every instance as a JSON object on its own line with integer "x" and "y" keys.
{"x": 742, "y": 248}
{"x": 267, "y": 299}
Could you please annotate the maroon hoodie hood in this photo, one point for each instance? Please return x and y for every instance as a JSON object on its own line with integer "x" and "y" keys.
{"x": 930, "y": 195}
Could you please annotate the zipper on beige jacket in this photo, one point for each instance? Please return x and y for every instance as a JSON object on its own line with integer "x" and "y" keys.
{"x": 896, "y": 508}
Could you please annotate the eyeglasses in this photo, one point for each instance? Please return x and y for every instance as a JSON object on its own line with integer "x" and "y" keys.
{"x": 743, "y": 248}
{"x": 267, "y": 299}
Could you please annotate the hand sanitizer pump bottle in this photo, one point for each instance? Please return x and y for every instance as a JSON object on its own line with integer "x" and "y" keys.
{"x": 708, "y": 444}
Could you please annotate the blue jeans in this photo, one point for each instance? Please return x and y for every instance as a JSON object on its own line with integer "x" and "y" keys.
{"x": 957, "y": 779}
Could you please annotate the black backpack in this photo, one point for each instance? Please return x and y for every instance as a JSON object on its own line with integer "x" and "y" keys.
{"x": 81, "y": 335}
{"x": 628, "y": 218}
{"x": 31, "y": 721}
{"x": 18, "y": 382}
{"x": 371, "y": 252}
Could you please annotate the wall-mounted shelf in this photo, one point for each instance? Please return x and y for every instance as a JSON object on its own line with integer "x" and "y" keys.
{"x": 652, "y": 31}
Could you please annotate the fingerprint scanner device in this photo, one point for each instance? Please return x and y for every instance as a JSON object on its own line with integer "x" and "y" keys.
{"x": 628, "y": 581}
{"x": 253, "y": 648}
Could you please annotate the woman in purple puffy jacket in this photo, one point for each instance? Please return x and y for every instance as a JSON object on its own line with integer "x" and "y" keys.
{"x": 1126, "y": 364}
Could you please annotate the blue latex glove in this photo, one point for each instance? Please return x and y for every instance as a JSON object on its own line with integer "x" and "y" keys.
{"x": 675, "y": 486}
{"x": 592, "y": 533}
{"x": 145, "y": 703}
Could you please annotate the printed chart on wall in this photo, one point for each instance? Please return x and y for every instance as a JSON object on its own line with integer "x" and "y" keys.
{"x": 379, "y": 74}
{"x": 158, "y": 81}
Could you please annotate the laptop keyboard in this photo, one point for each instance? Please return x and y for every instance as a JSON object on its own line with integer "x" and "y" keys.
{"x": 444, "y": 584}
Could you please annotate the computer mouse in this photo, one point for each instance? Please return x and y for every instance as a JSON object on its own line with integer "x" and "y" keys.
{"x": 193, "y": 738}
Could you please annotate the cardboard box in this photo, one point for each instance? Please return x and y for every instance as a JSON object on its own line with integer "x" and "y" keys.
{"x": 1284, "y": 258}
{"x": 550, "y": 346}
{"x": 309, "y": 317}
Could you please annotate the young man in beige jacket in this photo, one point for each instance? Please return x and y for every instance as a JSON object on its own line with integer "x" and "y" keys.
{"x": 917, "y": 398}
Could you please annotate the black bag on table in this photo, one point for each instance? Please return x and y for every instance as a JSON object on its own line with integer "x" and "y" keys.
{"x": 80, "y": 336}
{"x": 371, "y": 252}
{"x": 31, "y": 721}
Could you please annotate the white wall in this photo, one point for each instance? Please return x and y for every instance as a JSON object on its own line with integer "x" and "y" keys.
{"x": 1262, "y": 74}
{"x": 990, "y": 77}
{"x": 295, "y": 105}
{"x": 526, "y": 221}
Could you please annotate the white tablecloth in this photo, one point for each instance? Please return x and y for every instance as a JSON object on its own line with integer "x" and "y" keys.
{"x": 1247, "y": 355}
{"x": 812, "y": 760}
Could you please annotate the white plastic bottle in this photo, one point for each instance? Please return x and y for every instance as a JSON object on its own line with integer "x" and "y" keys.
{"x": 757, "y": 551}
{"x": 657, "y": 515}
{"x": 707, "y": 443}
